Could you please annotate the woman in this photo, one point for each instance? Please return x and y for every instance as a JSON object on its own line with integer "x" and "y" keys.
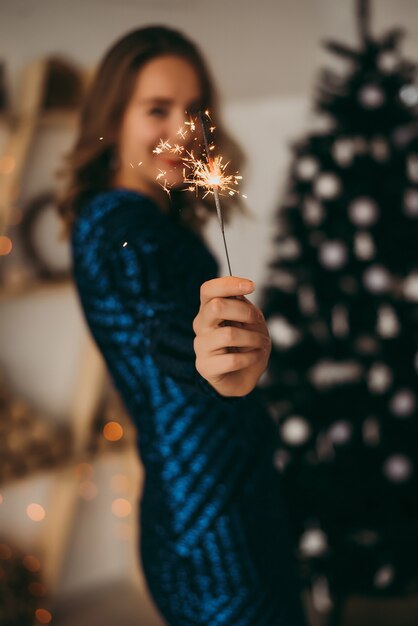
{"x": 214, "y": 542}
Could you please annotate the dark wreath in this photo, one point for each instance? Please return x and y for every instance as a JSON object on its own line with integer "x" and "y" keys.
{"x": 33, "y": 252}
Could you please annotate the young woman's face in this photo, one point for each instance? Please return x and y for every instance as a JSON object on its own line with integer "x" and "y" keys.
{"x": 166, "y": 89}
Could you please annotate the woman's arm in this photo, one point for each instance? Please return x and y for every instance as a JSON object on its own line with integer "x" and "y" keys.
{"x": 139, "y": 313}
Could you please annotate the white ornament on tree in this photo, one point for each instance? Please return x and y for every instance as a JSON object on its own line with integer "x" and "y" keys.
{"x": 343, "y": 152}
{"x": 322, "y": 123}
{"x": 333, "y": 254}
{"x": 408, "y": 94}
{"x": 340, "y": 432}
{"x": 321, "y": 597}
{"x": 398, "y": 468}
{"x": 412, "y": 168}
{"x": 307, "y": 167}
{"x": 410, "y": 287}
{"x": 403, "y": 403}
{"x": 364, "y": 248}
{"x": 284, "y": 281}
{"x": 313, "y": 542}
{"x": 282, "y": 333}
{"x": 384, "y": 576}
{"x": 377, "y": 279}
{"x": 328, "y": 373}
{"x": 363, "y": 211}
{"x": 327, "y": 186}
{"x": 371, "y": 96}
{"x": 387, "y": 62}
{"x": 387, "y": 322}
{"x": 288, "y": 249}
{"x": 295, "y": 430}
{"x": 379, "y": 378}
{"x": 313, "y": 212}
{"x": 410, "y": 202}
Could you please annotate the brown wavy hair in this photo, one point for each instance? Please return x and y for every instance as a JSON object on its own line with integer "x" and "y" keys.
{"x": 88, "y": 167}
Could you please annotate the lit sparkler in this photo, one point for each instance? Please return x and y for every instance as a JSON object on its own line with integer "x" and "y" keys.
{"x": 209, "y": 174}
{"x": 213, "y": 175}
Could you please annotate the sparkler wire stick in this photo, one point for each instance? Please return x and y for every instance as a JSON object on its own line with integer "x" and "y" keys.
{"x": 214, "y": 187}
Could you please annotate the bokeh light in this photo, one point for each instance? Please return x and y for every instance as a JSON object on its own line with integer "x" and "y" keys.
{"x": 31, "y": 563}
{"x": 121, "y": 507}
{"x": 113, "y": 431}
{"x": 35, "y": 512}
{"x": 43, "y": 616}
{"x": 384, "y": 576}
{"x": 6, "y": 245}
{"x": 295, "y": 430}
{"x": 313, "y": 542}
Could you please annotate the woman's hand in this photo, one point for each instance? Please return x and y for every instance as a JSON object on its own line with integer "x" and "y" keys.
{"x": 232, "y": 343}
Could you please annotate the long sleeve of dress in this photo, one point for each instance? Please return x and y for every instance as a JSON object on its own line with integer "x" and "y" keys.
{"x": 133, "y": 245}
{"x": 214, "y": 542}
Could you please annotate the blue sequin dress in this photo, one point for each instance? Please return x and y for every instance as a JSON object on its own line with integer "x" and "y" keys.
{"x": 214, "y": 541}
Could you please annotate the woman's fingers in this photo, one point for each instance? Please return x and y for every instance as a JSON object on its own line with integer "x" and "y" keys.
{"x": 221, "y": 364}
{"x": 216, "y": 310}
{"x": 225, "y": 287}
{"x": 222, "y": 338}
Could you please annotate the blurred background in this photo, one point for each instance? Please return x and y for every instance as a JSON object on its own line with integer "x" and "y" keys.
{"x": 330, "y": 134}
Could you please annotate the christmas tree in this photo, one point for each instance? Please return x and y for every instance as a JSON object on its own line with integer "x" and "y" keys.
{"x": 342, "y": 309}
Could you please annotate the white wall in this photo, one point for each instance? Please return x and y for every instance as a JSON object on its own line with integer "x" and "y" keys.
{"x": 256, "y": 49}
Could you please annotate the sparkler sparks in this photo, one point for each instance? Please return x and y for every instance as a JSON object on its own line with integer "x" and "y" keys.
{"x": 208, "y": 174}
{"x": 163, "y": 146}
